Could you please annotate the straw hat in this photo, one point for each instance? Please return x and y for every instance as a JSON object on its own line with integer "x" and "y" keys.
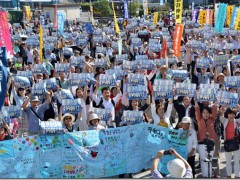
{"x": 66, "y": 115}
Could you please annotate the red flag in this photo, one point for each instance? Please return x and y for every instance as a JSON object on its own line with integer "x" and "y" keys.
{"x": 55, "y": 16}
{"x": 160, "y": 54}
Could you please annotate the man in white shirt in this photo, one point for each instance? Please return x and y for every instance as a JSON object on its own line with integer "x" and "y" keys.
{"x": 192, "y": 142}
{"x": 107, "y": 103}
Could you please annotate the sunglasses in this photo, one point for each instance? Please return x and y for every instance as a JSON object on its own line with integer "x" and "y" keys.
{"x": 68, "y": 118}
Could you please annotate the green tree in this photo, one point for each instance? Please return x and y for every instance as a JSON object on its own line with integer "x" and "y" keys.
{"x": 133, "y": 6}
{"x": 102, "y": 8}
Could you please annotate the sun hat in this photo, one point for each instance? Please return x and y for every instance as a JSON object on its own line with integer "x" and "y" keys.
{"x": 177, "y": 168}
{"x": 66, "y": 115}
{"x": 220, "y": 74}
{"x": 93, "y": 116}
{"x": 186, "y": 120}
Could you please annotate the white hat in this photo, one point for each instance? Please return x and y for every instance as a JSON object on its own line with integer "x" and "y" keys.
{"x": 93, "y": 116}
{"x": 186, "y": 120}
{"x": 177, "y": 168}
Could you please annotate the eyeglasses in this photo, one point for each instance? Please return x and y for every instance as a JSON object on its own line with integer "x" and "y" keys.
{"x": 68, "y": 118}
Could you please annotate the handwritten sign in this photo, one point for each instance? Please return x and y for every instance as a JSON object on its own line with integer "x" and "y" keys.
{"x": 81, "y": 153}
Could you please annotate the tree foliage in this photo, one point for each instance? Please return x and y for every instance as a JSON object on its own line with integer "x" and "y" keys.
{"x": 102, "y": 8}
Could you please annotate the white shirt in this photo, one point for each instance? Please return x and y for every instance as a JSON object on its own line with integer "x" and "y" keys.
{"x": 192, "y": 141}
{"x": 107, "y": 105}
{"x": 166, "y": 116}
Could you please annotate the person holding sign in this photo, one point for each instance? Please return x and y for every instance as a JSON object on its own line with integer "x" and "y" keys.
{"x": 107, "y": 102}
{"x": 231, "y": 132}
{"x": 205, "y": 121}
{"x": 178, "y": 167}
{"x": 35, "y": 113}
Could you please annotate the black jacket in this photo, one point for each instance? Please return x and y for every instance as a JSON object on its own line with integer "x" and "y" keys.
{"x": 181, "y": 110}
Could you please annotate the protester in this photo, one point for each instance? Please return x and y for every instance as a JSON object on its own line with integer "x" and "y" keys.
{"x": 178, "y": 168}
{"x": 192, "y": 142}
{"x": 205, "y": 120}
{"x": 230, "y": 128}
{"x": 62, "y": 82}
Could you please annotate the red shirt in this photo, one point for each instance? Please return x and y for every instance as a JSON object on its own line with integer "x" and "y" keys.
{"x": 230, "y": 131}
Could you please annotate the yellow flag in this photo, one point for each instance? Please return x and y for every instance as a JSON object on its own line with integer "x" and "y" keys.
{"x": 229, "y": 14}
{"x": 40, "y": 41}
{"x": 237, "y": 24}
{"x": 115, "y": 20}
{"x": 155, "y": 18}
{"x": 146, "y": 7}
{"x": 28, "y": 13}
{"x": 178, "y": 6}
{"x": 91, "y": 11}
{"x": 202, "y": 17}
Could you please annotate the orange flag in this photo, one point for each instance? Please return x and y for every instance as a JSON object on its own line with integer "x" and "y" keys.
{"x": 164, "y": 50}
{"x": 177, "y": 37}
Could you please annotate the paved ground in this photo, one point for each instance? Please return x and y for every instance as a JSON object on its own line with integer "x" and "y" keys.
{"x": 146, "y": 174}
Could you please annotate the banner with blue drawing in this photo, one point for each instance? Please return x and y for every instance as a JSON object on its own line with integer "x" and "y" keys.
{"x": 90, "y": 154}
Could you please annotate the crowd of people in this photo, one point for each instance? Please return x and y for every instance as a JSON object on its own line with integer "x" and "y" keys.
{"x": 200, "y": 119}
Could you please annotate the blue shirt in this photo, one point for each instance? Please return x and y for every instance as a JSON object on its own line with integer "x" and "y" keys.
{"x": 18, "y": 99}
{"x": 33, "y": 120}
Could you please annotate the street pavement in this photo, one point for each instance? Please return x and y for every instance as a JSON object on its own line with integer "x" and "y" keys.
{"x": 223, "y": 173}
